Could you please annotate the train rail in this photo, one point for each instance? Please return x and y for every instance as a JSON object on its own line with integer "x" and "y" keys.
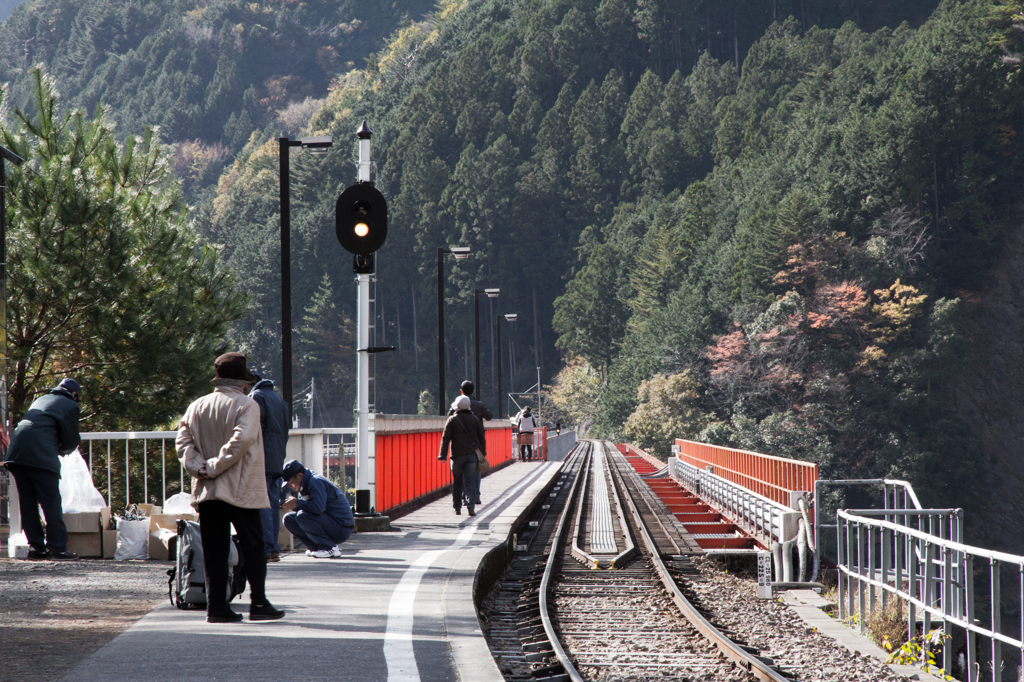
{"x": 598, "y": 602}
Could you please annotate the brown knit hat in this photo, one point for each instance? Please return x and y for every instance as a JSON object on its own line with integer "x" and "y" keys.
{"x": 231, "y": 371}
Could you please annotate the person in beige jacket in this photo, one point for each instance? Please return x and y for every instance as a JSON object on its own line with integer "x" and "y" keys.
{"x": 220, "y": 443}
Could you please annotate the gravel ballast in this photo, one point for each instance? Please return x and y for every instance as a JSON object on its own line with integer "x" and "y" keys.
{"x": 53, "y": 614}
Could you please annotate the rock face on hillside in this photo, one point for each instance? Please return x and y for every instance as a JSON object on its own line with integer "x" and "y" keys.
{"x": 991, "y": 397}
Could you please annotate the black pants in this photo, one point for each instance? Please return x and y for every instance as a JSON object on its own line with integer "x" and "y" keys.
{"x": 464, "y": 480}
{"x": 526, "y": 452}
{"x": 215, "y": 520}
{"x": 41, "y": 488}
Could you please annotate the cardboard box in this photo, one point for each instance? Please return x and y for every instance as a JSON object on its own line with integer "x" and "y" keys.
{"x": 284, "y": 536}
{"x": 163, "y": 545}
{"x": 169, "y": 521}
{"x": 149, "y": 509}
{"x": 109, "y": 543}
{"x": 85, "y": 544}
{"x": 82, "y": 522}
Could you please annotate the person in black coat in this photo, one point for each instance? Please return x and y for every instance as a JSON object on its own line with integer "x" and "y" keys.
{"x": 48, "y": 430}
{"x": 464, "y": 433}
{"x": 483, "y": 414}
{"x": 274, "y": 422}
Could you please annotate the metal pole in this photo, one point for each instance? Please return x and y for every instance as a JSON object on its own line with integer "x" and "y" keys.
{"x": 363, "y": 387}
{"x": 538, "y": 392}
{"x": 497, "y": 327}
{"x": 3, "y": 304}
{"x": 440, "y": 331}
{"x": 363, "y": 359}
{"x": 286, "y": 276}
{"x": 476, "y": 340}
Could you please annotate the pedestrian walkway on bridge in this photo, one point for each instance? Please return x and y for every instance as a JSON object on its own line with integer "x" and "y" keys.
{"x": 396, "y": 606}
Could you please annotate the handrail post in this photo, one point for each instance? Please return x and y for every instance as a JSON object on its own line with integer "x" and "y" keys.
{"x": 995, "y": 619}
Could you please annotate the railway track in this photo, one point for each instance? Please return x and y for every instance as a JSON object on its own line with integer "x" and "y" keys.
{"x": 592, "y": 597}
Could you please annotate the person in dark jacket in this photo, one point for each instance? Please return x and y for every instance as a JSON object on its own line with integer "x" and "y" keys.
{"x": 483, "y": 414}
{"x": 464, "y": 433}
{"x": 320, "y": 517}
{"x": 274, "y": 422}
{"x": 48, "y": 430}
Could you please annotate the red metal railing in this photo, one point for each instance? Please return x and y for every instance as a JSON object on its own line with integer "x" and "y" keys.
{"x": 772, "y": 477}
{"x": 407, "y": 464}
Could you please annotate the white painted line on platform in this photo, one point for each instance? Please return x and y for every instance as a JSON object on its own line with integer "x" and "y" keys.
{"x": 398, "y": 647}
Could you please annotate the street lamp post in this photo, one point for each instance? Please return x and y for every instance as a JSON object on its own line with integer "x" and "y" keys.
{"x": 460, "y": 253}
{"x": 316, "y": 145}
{"x": 5, "y": 155}
{"x": 491, "y": 293}
{"x": 497, "y": 325}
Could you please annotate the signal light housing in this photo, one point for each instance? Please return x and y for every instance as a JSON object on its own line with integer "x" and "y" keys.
{"x": 361, "y": 219}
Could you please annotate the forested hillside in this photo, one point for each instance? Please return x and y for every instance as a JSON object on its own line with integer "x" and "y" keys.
{"x": 806, "y": 297}
{"x": 208, "y": 73}
{"x": 510, "y": 127}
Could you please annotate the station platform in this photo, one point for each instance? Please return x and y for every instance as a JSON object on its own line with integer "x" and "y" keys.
{"x": 397, "y": 606}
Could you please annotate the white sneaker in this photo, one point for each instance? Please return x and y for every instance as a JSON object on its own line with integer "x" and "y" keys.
{"x": 309, "y": 552}
{"x": 335, "y": 553}
{"x": 323, "y": 554}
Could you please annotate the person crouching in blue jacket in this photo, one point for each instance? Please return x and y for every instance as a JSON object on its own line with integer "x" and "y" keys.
{"x": 322, "y": 517}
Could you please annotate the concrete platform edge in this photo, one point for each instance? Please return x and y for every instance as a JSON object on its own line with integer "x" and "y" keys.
{"x": 470, "y": 653}
{"x": 810, "y": 613}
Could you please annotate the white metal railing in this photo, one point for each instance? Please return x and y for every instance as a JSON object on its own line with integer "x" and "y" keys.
{"x": 315, "y": 448}
{"x": 933, "y": 575}
{"x": 762, "y": 518}
{"x": 897, "y": 496}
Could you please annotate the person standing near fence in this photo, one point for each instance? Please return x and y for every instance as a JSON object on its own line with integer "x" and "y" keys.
{"x": 48, "y": 430}
{"x": 274, "y": 424}
{"x": 465, "y": 434}
{"x": 527, "y": 425}
{"x": 220, "y": 443}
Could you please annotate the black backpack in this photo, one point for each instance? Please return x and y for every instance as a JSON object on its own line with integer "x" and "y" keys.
{"x": 186, "y": 584}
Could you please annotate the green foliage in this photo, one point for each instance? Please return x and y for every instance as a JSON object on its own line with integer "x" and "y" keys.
{"x": 669, "y": 408}
{"x": 856, "y": 194}
{"x": 107, "y": 283}
{"x": 212, "y": 71}
{"x": 575, "y": 395}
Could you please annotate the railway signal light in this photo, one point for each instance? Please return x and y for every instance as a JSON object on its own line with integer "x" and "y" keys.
{"x": 361, "y": 219}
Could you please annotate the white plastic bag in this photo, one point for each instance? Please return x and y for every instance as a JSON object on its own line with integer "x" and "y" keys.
{"x": 77, "y": 492}
{"x": 132, "y": 540}
{"x": 179, "y": 504}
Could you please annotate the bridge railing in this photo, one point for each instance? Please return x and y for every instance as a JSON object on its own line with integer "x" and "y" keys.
{"x": 771, "y": 477}
{"x": 405, "y": 454}
{"x": 764, "y": 519}
{"x": 941, "y": 580}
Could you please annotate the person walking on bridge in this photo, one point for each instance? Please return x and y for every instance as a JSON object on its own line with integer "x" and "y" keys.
{"x": 464, "y": 433}
{"x": 221, "y": 444}
{"x": 478, "y": 408}
{"x": 48, "y": 430}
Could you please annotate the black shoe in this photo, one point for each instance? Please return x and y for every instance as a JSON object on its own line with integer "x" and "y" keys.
{"x": 477, "y": 502}
{"x": 33, "y": 555}
{"x": 264, "y": 612}
{"x": 228, "y": 616}
{"x": 458, "y": 512}
{"x": 472, "y": 512}
{"x": 64, "y": 556}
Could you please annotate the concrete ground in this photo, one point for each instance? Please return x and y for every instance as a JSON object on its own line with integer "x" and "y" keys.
{"x": 396, "y": 606}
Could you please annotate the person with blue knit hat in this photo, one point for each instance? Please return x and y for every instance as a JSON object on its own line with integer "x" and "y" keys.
{"x": 48, "y": 430}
